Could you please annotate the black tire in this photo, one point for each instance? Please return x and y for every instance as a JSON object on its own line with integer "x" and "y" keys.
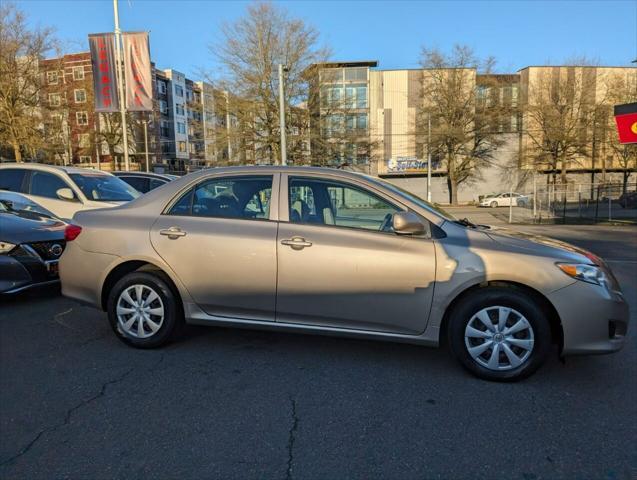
{"x": 509, "y": 297}
{"x": 173, "y": 313}
{"x": 493, "y": 204}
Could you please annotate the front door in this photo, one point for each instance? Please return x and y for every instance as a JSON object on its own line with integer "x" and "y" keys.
{"x": 341, "y": 264}
{"x": 220, "y": 239}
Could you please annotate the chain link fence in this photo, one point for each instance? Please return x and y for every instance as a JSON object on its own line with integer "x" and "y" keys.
{"x": 574, "y": 203}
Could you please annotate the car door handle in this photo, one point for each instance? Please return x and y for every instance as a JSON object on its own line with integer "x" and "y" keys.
{"x": 297, "y": 243}
{"x": 173, "y": 233}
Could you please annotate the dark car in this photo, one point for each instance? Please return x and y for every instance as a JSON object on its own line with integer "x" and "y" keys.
{"x": 628, "y": 200}
{"x": 145, "y": 181}
{"x": 31, "y": 244}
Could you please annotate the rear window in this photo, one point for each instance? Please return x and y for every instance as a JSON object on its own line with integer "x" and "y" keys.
{"x": 11, "y": 179}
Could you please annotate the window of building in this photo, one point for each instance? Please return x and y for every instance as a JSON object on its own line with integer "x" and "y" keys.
{"x": 84, "y": 140}
{"x": 181, "y": 127}
{"x": 164, "y": 129}
{"x": 179, "y": 90}
{"x": 179, "y": 108}
{"x": 78, "y": 73}
{"x": 81, "y": 118}
{"x": 337, "y": 204}
{"x": 161, "y": 87}
{"x": 163, "y": 107}
{"x": 52, "y": 78}
{"x": 193, "y": 148}
{"x": 85, "y": 159}
{"x": 236, "y": 197}
{"x": 189, "y": 95}
{"x": 80, "y": 95}
{"x": 55, "y": 100}
{"x": 182, "y": 147}
{"x": 356, "y": 74}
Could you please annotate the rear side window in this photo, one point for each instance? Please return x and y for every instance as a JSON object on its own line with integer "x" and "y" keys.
{"x": 11, "y": 179}
{"x": 46, "y": 184}
{"x": 228, "y": 197}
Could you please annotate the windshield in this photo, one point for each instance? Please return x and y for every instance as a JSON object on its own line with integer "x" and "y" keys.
{"x": 416, "y": 199}
{"x": 104, "y": 188}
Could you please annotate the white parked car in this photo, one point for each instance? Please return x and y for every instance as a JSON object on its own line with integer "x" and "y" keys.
{"x": 65, "y": 190}
{"x": 505, "y": 200}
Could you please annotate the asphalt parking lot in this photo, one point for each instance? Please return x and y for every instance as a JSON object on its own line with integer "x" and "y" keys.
{"x": 221, "y": 403}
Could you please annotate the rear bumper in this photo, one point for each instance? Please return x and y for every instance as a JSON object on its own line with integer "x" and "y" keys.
{"x": 593, "y": 319}
{"x": 82, "y": 274}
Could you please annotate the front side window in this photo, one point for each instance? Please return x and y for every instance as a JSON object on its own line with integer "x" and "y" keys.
{"x": 101, "y": 187}
{"x": 46, "y": 184}
{"x": 229, "y": 197}
{"x": 339, "y": 204}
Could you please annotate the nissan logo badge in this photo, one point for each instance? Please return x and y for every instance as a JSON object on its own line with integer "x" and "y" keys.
{"x": 56, "y": 249}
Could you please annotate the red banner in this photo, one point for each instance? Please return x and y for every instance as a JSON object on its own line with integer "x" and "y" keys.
{"x": 104, "y": 78}
{"x": 626, "y": 119}
{"x": 137, "y": 72}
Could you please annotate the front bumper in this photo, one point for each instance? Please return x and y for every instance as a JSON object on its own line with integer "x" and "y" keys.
{"x": 18, "y": 273}
{"x": 593, "y": 319}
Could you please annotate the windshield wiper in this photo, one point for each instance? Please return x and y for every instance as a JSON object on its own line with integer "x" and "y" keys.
{"x": 465, "y": 222}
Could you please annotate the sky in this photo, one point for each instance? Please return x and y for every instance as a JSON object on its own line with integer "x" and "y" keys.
{"x": 517, "y": 33}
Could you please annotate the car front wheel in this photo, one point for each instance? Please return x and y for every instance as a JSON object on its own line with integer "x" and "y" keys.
{"x": 143, "y": 310}
{"x": 499, "y": 333}
{"x": 494, "y": 204}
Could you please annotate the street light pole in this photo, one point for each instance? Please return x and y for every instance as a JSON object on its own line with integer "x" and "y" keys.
{"x": 284, "y": 159}
{"x": 429, "y": 157}
{"x": 120, "y": 84}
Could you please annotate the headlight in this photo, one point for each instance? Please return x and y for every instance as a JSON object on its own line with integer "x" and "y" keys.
{"x": 6, "y": 247}
{"x": 584, "y": 272}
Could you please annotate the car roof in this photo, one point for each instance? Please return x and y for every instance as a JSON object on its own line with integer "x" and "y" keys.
{"x": 143, "y": 174}
{"x": 45, "y": 167}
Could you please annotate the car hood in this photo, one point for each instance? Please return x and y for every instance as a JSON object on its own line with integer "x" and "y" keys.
{"x": 25, "y": 227}
{"x": 539, "y": 243}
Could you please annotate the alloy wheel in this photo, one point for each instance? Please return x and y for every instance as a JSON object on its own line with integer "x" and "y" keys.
{"x": 140, "y": 311}
{"x": 499, "y": 338}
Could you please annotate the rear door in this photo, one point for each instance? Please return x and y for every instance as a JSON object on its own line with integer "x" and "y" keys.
{"x": 219, "y": 236}
{"x": 341, "y": 264}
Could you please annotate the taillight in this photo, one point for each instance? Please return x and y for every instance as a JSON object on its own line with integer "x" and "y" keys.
{"x": 71, "y": 232}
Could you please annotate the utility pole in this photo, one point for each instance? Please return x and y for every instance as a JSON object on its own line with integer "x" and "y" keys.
{"x": 120, "y": 83}
{"x": 146, "y": 143}
{"x": 284, "y": 153}
{"x": 429, "y": 157}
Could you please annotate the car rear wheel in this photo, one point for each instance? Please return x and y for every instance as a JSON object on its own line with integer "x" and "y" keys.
{"x": 143, "y": 310}
{"x": 499, "y": 333}
{"x": 493, "y": 204}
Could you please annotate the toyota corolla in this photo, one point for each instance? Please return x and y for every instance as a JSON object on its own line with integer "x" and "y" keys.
{"x": 330, "y": 252}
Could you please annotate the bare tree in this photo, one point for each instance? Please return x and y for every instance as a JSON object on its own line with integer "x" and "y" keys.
{"x": 560, "y": 111}
{"x": 251, "y": 49}
{"x": 21, "y": 49}
{"x": 463, "y": 127}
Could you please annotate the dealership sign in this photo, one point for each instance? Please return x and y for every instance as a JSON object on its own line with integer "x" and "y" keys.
{"x": 104, "y": 76}
{"x": 626, "y": 119}
{"x": 409, "y": 165}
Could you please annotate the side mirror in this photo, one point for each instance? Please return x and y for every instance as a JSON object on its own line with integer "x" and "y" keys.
{"x": 65, "y": 194}
{"x": 408, "y": 223}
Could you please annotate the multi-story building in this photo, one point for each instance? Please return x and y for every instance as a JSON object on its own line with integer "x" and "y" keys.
{"x": 69, "y": 121}
{"x": 395, "y": 129}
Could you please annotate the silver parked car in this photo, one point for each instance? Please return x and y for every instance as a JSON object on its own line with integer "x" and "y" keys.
{"x": 331, "y": 252}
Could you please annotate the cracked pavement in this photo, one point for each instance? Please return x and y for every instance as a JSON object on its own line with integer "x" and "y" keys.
{"x": 221, "y": 403}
